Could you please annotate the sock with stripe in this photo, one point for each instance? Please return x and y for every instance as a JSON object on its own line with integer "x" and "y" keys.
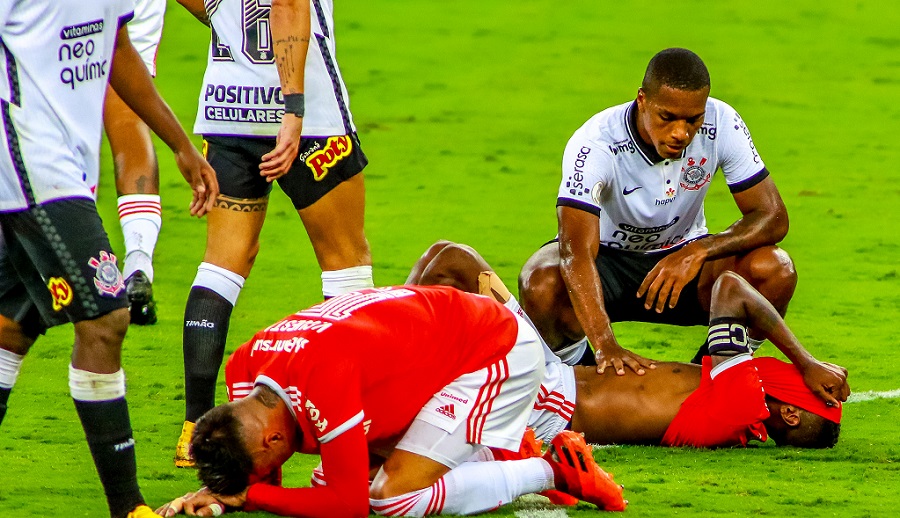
{"x": 472, "y": 488}
{"x": 338, "y": 282}
{"x": 141, "y": 218}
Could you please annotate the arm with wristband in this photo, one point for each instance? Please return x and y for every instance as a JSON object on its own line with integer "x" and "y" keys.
{"x": 290, "y": 22}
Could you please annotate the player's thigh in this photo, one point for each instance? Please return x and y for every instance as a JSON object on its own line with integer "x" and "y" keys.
{"x": 234, "y": 223}
{"x": 64, "y": 264}
{"x": 326, "y": 186}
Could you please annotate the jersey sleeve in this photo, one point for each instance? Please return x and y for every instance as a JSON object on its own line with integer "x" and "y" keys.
{"x": 725, "y": 411}
{"x": 586, "y": 170}
{"x": 333, "y": 402}
{"x": 741, "y": 164}
{"x": 239, "y": 381}
{"x": 346, "y": 492}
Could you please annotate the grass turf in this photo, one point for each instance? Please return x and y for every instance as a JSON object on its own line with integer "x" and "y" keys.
{"x": 464, "y": 108}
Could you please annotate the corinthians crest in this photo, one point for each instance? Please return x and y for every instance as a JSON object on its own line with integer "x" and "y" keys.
{"x": 694, "y": 176}
{"x": 108, "y": 278}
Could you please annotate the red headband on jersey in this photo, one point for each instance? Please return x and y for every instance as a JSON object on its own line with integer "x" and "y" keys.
{"x": 784, "y": 382}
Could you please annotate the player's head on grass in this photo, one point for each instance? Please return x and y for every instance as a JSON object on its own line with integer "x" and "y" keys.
{"x": 790, "y": 425}
{"x": 243, "y": 442}
{"x": 671, "y": 101}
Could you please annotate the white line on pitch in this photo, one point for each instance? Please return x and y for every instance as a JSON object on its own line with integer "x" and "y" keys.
{"x": 869, "y": 396}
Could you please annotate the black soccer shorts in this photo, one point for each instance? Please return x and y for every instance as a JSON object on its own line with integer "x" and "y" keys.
{"x": 322, "y": 163}
{"x": 621, "y": 274}
{"x": 56, "y": 266}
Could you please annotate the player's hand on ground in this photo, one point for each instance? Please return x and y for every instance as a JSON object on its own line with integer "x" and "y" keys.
{"x": 827, "y": 380}
{"x": 201, "y": 503}
{"x": 201, "y": 177}
{"x": 666, "y": 280}
{"x": 277, "y": 163}
{"x": 616, "y": 357}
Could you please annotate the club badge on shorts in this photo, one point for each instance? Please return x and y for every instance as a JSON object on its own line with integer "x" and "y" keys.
{"x": 108, "y": 278}
{"x": 60, "y": 291}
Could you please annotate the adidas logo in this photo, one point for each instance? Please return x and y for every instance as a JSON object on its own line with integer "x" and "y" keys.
{"x": 447, "y": 410}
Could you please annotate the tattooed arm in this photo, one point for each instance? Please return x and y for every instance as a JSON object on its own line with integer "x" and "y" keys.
{"x": 290, "y": 20}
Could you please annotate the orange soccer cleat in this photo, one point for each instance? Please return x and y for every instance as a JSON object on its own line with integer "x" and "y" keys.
{"x": 577, "y": 473}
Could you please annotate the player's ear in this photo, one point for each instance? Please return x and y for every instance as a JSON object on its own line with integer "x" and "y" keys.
{"x": 790, "y": 415}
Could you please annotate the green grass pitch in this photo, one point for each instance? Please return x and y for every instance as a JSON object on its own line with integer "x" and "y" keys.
{"x": 464, "y": 108}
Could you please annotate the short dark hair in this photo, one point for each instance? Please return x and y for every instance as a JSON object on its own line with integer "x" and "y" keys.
{"x": 814, "y": 431}
{"x": 217, "y": 446}
{"x": 676, "y": 68}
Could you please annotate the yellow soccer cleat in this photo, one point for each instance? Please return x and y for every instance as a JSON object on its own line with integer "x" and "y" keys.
{"x": 142, "y": 511}
{"x": 183, "y": 448}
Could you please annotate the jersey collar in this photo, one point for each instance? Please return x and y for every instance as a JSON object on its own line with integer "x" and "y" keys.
{"x": 646, "y": 150}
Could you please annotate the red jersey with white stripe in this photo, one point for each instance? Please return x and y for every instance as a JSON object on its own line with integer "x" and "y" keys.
{"x": 374, "y": 356}
{"x": 727, "y": 410}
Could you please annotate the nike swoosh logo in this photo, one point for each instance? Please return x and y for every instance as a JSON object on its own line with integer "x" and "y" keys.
{"x": 626, "y": 191}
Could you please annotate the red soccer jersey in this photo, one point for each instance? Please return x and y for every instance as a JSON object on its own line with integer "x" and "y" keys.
{"x": 726, "y": 411}
{"x": 367, "y": 362}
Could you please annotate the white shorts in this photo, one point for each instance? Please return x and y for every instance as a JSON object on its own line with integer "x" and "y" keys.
{"x": 145, "y": 30}
{"x": 555, "y": 402}
{"x": 488, "y": 407}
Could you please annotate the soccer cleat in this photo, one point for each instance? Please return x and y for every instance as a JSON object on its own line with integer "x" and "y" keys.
{"x": 577, "y": 473}
{"x": 142, "y": 511}
{"x": 141, "y": 305}
{"x": 183, "y": 447}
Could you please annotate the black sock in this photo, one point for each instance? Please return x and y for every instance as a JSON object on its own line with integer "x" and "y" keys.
{"x": 4, "y": 397}
{"x": 206, "y": 318}
{"x": 107, "y": 428}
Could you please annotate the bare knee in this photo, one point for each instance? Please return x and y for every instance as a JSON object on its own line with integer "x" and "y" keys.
{"x": 13, "y": 337}
{"x": 98, "y": 342}
{"x": 770, "y": 270}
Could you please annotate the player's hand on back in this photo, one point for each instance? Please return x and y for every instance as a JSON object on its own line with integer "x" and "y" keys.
{"x": 201, "y": 177}
{"x": 826, "y": 380}
{"x": 615, "y": 356}
{"x": 666, "y": 280}
{"x": 277, "y": 163}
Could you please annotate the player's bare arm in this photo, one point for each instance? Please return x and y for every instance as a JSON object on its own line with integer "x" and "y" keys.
{"x": 196, "y": 8}
{"x": 290, "y": 37}
{"x": 579, "y": 241}
{"x": 131, "y": 81}
{"x": 764, "y": 221}
{"x": 734, "y": 297}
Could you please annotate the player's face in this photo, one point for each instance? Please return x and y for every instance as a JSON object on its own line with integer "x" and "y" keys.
{"x": 668, "y": 119}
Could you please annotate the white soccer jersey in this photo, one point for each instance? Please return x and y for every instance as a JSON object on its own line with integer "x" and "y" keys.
{"x": 646, "y": 203}
{"x": 145, "y": 30}
{"x": 55, "y": 61}
{"x": 241, "y": 92}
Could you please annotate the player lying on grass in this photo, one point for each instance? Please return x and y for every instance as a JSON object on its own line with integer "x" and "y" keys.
{"x": 421, "y": 377}
{"x": 731, "y": 399}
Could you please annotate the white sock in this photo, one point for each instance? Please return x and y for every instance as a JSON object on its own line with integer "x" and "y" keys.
{"x": 224, "y": 282}
{"x": 472, "y": 488}
{"x": 141, "y": 218}
{"x": 92, "y": 386}
{"x": 338, "y": 282}
{"x": 10, "y": 363}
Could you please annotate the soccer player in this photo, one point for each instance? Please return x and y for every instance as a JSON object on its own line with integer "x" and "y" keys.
{"x": 56, "y": 263}
{"x": 731, "y": 399}
{"x": 326, "y": 380}
{"x": 633, "y": 242}
{"x": 273, "y": 107}
{"x": 137, "y": 171}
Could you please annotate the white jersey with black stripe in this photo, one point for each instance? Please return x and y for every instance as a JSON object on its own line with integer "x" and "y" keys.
{"x": 646, "y": 203}
{"x": 55, "y": 61}
{"x": 241, "y": 92}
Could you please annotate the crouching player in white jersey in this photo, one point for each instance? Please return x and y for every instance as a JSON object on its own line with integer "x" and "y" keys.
{"x": 137, "y": 171}
{"x": 633, "y": 243}
{"x": 56, "y": 264}
{"x": 732, "y": 399}
{"x": 326, "y": 380}
{"x": 261, "y": 124}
